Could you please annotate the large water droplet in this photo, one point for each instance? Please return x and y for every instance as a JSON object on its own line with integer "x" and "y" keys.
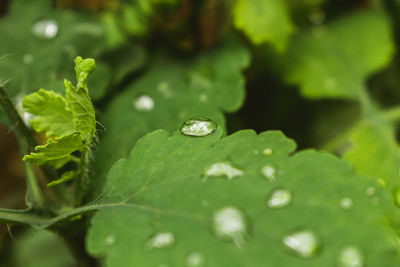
{"x": 198, "y": 127}
{"x": 279, "y": 198}
{"x": 303, "y": 243}
{"x": 230, "y": 225}
{"x": 109, "y": 240}
{"x": 223, "y": 169}
{"x": 195, "y": 259}
{"x": 161, "y": 240}
{"x": 269, "y": 172}
{"x": 351, "y": 257}
{"x": 45, "y": 29}
{"x": 143, "y": 103}
{"x": 346, "y": 203}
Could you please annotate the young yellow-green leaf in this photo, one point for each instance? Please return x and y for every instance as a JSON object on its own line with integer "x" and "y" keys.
{"x": 242, "y": 200}
{"x": 56, "y": 152}
{"x": 78, "y": 100}
{"x": 51, "y": 115}
{"x": 334, "y": 60}
{"x": 264, "y": 21}
{"x": 375, "y": 152}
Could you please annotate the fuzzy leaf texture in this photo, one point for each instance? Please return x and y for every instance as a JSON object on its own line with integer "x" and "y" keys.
{"x": 328, "y": 62}
{"x": 241, "y": 200}
{"x": 264, "y": 21}
{"x": 78, "y": 100}
{"x": 52, "y": 117}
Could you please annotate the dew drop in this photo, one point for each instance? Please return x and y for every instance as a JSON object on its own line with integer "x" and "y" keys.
{"x": 109, "y": 240}
{"x": 198, "y": 127}
{"x": 45, "y": 29}
{"x": 204, "y": 203}
{"x": 346, "y": 203}
{"x": 230, "y": 225}
{"x": 269, "y": 172}
{"x": 143, "y": 103}
{"x": 302, "y": 243}
{"x": 195, "y": 259}
{"x": 268, "y": 151}
{"x": 161, "y": 240}
{"x": 223, "y": 169}
{"x": 370, "y": 191}
{"x": 28, "y": 59}
{"x": 351, "y": 257}
{"x": 279, "y": 198}
{"x": 165, "y": 89}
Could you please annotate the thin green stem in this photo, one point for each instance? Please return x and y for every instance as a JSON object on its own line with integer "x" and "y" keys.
{"x": 28, "y": 144}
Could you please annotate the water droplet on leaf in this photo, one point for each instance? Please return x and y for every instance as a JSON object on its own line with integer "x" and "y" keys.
{"x": 161, "y": 240}
{"x": 346, "y": 203}
{"x": 195, "y": 259}
{"x": 143, "y": 103}
{"x": 198, "y": 127}
{"x": 304, "y": 243}
{"x": 370, "y": 191}
{"x": 351, "y": 257}
{"x": 223, "y": 169}
{"x": 109, "y": 240}
{"x": 268, "y": 151}
{"x": 279, "y": 198}
{"x": 269, "y": 172}
{"x": 230, "y": 225}
{"x": 45, "y": 29}
{"x": 28, "y": 59}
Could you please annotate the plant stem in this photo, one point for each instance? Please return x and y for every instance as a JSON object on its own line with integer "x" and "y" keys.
{"x": 28, "y": 144}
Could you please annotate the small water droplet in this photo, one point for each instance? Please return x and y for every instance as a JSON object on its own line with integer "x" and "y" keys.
{"x": 198, "y": 127}
{"x": 143, "y": 103}
{"x": 269, "y": 172}
{"x": 346, "y": 203}
{"x": 109, "y": 240}
{"x": 223, "y": 169}
{"x": 279, "y": 198}
{"x": 203, "y": 98}
{"x": 195, "y": 259}
{"x": 204, "y": 203}
{"x": 161, "y": 240}
{"x": 28, "y": 59}
{"x": 351, "y": 257}
{"x": 370, "y": 191}
{"x": 268, "y": 151}
{"x": 375, "y": 201}
{"x": 45, "y": 29}
{"x": 230, "y": 225}
{"x": 25, "y": 115}
{"x": 303, "y": 243}
{"x": 317, "y": 16}
{"x": 165, "y": 89}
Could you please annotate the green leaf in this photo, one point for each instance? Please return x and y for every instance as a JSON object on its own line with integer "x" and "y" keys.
{"x": 171, "y": 92}
{"x": 332, "y": 61}
{"x": 374, "y": 151}
{"x": 78, "y": 100}
{"x": 56, "y": 152}
{"x": 264, "y": 21}
{"x": 167, "y": 204}
{"x": 51, "y": 114}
